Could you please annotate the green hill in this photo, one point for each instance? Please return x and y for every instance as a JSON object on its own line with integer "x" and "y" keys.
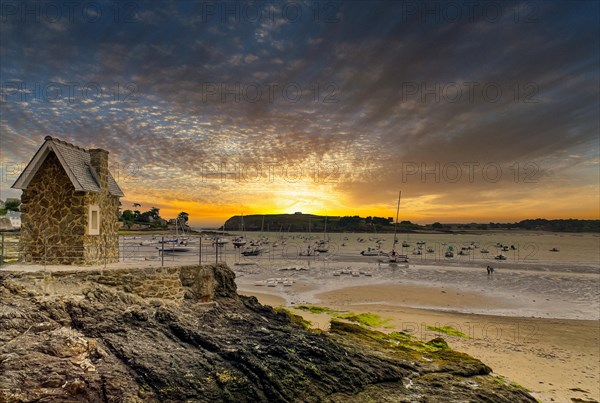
{"x": 316, "y": 223}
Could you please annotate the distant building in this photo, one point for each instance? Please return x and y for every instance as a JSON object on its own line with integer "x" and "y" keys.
{"x": 69, "y": 206}
{"x": 15, "y": 219}
{"x": 298, "y": 212}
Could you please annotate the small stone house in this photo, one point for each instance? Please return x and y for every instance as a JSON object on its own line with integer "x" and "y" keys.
{"x": 69, "y": 206}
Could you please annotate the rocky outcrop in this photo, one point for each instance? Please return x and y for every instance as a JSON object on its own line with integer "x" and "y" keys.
{"x": 102, "y": 342}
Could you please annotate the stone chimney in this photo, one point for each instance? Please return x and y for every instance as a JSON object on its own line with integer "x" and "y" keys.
{"x": 99, "y": 161}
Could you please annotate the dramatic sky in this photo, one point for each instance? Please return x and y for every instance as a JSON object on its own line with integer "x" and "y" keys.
{"x": 477, "y": 111}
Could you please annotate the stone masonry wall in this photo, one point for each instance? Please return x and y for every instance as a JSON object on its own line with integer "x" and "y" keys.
{"x": 173, "y": 283}
{"x": 52, "y": 219}
{"x": 104, "y": 247}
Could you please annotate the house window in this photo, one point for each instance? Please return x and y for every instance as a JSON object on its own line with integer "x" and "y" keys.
{"x": 94, "y": 221}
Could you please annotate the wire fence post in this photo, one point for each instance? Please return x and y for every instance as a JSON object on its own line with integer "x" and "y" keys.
{"x": 200, "y": 250}
{"x": 216, "y": 251}
{"x": 105, "y": 250}
{"x": 162, "y": 251}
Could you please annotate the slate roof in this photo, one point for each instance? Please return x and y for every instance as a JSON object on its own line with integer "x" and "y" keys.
{"x": 76, "y": 163}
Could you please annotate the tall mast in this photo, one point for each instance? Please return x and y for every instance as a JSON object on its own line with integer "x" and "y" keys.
{"x": 396, "y": 222}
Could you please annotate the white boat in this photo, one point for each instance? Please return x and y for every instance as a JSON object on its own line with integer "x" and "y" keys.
{"x": 372, "y": 252}
{"x": 252, "y": 251}
{"x": 500, "y": 257}
{"x": 220, "y": 241}
{"x": 239, "y": 242}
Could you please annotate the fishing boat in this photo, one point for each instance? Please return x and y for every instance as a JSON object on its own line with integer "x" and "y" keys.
{"x": 554, "y": 250}
{"x": 500, "y": 257}
{"x": 449, "y": 254}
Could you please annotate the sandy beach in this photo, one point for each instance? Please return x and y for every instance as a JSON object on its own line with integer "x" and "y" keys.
{"x": 541, "y": 338}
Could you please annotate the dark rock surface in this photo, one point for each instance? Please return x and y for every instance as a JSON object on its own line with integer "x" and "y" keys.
{"x": 108, "y": 345}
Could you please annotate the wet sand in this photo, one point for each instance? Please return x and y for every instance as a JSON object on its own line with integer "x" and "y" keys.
{"x": 553, "y": 358}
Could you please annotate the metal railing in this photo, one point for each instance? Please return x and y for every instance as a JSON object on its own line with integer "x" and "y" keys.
{"x": 197, "y": 249}
{"x": 159, "y": 249}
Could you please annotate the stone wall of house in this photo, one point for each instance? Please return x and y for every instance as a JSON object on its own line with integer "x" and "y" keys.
{"x": 104, "y": 247}
{"x": 52, "y": 217}
{"x": 174, "y": 283}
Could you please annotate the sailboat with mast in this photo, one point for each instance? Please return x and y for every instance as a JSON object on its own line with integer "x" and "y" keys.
{"x": 323, "y": 244}
{"x": 240, "y": 241}
{"x": 220, "y": 241}
{"x": 179, "y": 242}
{"x": 393, "y": 256}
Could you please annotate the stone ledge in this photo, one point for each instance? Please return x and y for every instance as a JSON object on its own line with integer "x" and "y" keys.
{"x": 201, "y": 283}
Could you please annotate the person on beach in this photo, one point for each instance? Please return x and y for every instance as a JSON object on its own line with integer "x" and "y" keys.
{"x": 490, "y": 270}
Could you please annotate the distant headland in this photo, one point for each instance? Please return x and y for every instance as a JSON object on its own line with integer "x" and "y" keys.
{"x": 300, "y": 222}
